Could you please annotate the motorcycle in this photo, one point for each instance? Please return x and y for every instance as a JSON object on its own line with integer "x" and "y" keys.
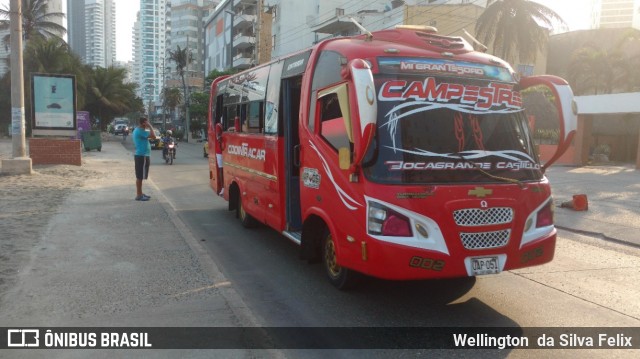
{"x": 170, "y": 153}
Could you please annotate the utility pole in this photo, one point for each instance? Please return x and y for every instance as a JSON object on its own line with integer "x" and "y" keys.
{"x": 163, "y": 94}
{"x": 20, "y": 163}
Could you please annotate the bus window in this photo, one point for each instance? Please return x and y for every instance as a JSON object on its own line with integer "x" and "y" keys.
{"x": 273, "y": 99}
{"x": 232, "y": 113}
{"x": 254, "y": 117}
{"x": 332, "y": 128}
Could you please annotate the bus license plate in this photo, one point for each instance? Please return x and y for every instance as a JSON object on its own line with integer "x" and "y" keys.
{"x": 485, "y": 265}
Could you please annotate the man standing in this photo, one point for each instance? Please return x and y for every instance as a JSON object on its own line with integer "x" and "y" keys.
{"x": 143, "y": 149}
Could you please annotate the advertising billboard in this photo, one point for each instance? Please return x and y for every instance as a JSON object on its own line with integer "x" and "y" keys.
{"x": 53, "y": 100}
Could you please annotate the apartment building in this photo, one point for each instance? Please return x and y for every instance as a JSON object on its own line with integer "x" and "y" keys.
{"x": 91, "y": 31}
{"x": 617, "y": 14}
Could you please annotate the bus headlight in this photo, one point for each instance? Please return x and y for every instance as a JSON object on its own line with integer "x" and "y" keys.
{"x": 385, "y": 222}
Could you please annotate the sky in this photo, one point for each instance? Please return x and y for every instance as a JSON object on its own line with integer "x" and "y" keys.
{"x": 576, "y": 13}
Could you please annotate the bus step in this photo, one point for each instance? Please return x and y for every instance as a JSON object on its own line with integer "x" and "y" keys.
{"x": 294, "y": 236}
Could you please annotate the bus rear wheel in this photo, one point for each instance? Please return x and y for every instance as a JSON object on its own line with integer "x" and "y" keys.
{"x": 245, "y": 218}
{"x": 340, "y": 277}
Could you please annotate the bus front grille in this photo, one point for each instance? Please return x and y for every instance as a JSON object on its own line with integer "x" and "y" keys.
{"x": 484, "y": 240}
{"x": 473, "y": 217}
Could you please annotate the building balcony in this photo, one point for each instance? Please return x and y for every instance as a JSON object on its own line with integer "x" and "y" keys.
{"x": 244, "y": 21}
{"x": 244, "y": 2}
{"x": 242, "y": 42}
{"x": 242, "y": 61}
{"x": 337, "y": 24}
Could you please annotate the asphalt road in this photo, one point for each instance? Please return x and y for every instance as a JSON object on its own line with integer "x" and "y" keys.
{"x": 590, "y": 283}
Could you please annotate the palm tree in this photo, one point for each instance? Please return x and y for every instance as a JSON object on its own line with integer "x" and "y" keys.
{"x": 182, "y": 59}
{"x": 109, "y": 96}
{"x": 516, "y": 29}
{"x": 54, "y": 56}
{"x": 37, "y": 20}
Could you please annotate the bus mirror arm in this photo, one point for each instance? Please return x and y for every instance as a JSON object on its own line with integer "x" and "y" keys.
{"x": 567, "y": 109}
{"x": 366, "y": 113}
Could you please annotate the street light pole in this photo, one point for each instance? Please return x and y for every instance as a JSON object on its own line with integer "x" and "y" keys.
{"x": 20, "y": 164}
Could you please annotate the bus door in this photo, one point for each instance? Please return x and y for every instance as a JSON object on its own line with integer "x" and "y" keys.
{"x": 291, "y": 88}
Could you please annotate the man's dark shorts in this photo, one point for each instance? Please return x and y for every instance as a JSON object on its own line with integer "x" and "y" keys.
{"x": 142, "y": 167}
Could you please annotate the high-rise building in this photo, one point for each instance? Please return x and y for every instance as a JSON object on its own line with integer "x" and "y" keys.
{"x": 617, "y": 14}
{"x": 91, "y": 33}
{"x": 149, "y": 49}
{"x": 238, "y": 35}
{"x": 185, "y": 24}
{"x": 242, "y": 33}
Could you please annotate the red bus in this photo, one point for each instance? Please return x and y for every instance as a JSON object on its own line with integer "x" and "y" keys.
{"x": 400, "y": 154}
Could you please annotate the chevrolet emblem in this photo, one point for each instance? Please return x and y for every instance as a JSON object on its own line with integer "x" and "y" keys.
{"x": 480, "y": 192}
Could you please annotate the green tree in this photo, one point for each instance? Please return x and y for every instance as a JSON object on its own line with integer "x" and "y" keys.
{"x": 51, "y": 56}
{"x": 182, "y": 58}
{"x": 199, "y": 110}
{"x": 37, "y": 21}
{"x": 590, "y": 71}
{"x": 199, "y": 102}
{"x": 171, "y": 98}
{"x": 215, "y": 74}
{"x": 516, "y": 29}
{"x": 596, "y": 70}
{"x": 109, "y": 96}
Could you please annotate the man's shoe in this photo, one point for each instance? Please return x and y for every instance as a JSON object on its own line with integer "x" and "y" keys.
{"x": 142, "y": 198}
{"x": 144, "y": 195}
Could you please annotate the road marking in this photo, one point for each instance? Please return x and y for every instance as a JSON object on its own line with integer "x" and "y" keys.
{"x": 218, "y": 285}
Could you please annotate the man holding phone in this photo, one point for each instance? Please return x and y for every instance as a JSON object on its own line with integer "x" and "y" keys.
{"x": 141, "y": 136}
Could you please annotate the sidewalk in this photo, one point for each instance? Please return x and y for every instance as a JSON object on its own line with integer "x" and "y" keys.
{"x": 105, "y": 260}
{"x": 614, "y": 201}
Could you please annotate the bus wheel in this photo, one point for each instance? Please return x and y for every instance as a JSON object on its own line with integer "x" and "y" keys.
{"x": 245, "y": 218}
{"x": 341, "y": 278}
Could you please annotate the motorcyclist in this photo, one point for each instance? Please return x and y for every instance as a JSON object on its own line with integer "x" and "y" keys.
{"x": 165, "y": 141}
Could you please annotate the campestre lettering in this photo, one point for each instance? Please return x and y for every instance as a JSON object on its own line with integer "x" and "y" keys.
{"x": 482, "y": 98}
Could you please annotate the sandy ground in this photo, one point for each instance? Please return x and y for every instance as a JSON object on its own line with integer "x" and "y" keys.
{"x": 28, "y": 202}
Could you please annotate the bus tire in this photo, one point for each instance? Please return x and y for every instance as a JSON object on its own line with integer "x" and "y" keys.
{"x": 340, "y": 277}
{"x": 245, "y": 218}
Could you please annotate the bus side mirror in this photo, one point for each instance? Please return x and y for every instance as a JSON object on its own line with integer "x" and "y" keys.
{"x": 363, "y": 101}
{"x": 567, "y": 109}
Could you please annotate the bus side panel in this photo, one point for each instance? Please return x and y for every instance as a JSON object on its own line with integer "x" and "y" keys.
{"x": 274, "y": 189}
{"x": 245, "y": 159}
{"x": 326, "y": 189}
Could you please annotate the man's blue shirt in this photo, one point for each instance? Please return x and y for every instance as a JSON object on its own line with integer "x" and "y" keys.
{"x": 141, "y": 141}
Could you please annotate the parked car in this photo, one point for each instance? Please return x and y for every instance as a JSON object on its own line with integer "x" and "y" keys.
{"x": 156, "y": 143}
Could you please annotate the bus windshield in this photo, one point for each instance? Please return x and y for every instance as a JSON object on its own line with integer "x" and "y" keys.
{"x": 449, "y": 129}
